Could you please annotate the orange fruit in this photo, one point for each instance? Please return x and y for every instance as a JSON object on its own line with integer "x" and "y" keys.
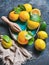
{"x": 21, "y": 38}
{"x": 6, "y": 45}
{"x": 42, "y": 35}
{"x": 13, "y": 16}
{"x": 40, "y": 44}
{"x": 32, "y": 24}
{"x": 36, "y": 11}
{"x": 28, "y": 7}
{"x": 24, "y": 16}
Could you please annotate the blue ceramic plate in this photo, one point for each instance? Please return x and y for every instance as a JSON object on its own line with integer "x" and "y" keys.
{"x": 23, "y": 26}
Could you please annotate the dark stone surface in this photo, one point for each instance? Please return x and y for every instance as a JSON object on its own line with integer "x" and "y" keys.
{"x": 42, "y": 58}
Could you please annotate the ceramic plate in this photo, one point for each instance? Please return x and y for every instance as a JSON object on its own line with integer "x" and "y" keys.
{"x": 23, "y": 26}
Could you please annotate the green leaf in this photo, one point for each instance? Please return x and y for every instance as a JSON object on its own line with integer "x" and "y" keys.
{"x": 22, "y": 7}
{"x": 30, "y": 33}
{"x": 35, "y": 17}
{"x": 17, "y": 10}
{"x": 28, "y": 36}
{"x": 6, "y": 38}
{"x": 31, "y": 41}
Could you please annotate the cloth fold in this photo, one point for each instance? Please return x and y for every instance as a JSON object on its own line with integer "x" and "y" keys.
{"x": 15, "y": 55}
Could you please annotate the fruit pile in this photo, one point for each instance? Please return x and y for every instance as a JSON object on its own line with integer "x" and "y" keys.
{"x": 32, "y": 16}
{"x": 26, "y": 13}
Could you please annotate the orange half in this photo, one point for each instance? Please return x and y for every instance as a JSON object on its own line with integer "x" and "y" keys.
{"x": 21, "y": 38}
{"x": 36, "y": 11}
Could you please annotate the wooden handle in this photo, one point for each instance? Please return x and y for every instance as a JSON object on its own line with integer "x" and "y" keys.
{"x": 14, "y": 27}
{"x": 5, "y": 19}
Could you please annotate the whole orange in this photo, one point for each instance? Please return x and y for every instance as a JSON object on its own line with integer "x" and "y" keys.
{"x": 13, "y": 16}
{"x": 24, "y": 16}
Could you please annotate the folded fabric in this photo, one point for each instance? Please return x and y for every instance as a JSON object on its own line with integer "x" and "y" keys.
{"x": 15, "y": 55}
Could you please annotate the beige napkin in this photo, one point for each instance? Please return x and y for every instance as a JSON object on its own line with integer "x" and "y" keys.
{"x": 14, "y": 55}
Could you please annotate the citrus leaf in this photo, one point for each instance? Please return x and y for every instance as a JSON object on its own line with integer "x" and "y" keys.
{"x": 28, "y": 36}
{"x": 31, "y": 41}
{"x": 22, "y": 7}
{"x": 6, "y": 38}
{"x": 30, "y": 33}
{"x": 17, "y": 10}
{"x": 35, "y": 17}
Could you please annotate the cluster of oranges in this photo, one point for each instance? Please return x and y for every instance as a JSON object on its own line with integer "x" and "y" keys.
{"x": 24, "y": 16}
{"x": 26, "y": 13}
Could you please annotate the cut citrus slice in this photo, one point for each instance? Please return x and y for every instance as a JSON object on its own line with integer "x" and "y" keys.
{"x": 36, "y": 11}
{"x": 21, "y": 38}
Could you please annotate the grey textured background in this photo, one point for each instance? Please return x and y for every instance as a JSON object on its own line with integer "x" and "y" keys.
{"x": 42, "y": 58}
